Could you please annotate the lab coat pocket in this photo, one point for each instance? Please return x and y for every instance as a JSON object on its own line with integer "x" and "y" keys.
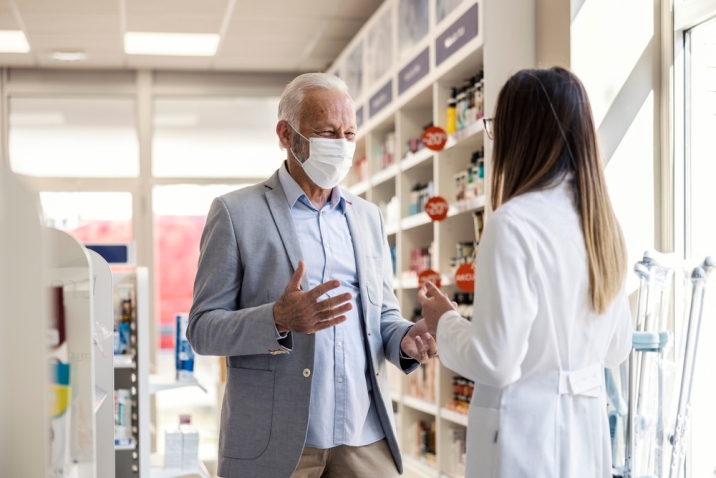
{"x": 247, "y": 413}
{"x": 483, "y": 435}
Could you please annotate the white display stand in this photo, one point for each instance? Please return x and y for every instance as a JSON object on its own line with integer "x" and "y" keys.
{"x": 502, "y": 44}
{"x": 104, "y": 364}
{"x": 24, "y": 371}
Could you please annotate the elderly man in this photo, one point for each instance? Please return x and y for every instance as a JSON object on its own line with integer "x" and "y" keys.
{"x": 294, "y": 288}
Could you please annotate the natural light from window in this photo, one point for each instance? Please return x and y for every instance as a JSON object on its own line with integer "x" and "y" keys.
{"x": 73, "y": 137}
{"x": 215, "y": 138}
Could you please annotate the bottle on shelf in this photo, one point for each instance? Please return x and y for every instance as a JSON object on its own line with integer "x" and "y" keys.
{"x": 480, "y": 97}
{"x": 470, "y": 113}
{"x": 460, "y": 109}
{"x": 451, "y": 120}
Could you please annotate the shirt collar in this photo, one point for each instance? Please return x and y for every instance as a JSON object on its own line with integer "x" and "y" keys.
{"x": 294, "y": 192}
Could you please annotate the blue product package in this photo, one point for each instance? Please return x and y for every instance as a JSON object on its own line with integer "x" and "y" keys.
{"x": 124, "y": 338}
{"x": 183, "y": 352}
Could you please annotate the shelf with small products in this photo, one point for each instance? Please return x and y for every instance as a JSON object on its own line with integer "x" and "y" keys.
{"x": 415, "y": 220}
{"x": 123, "y": 361}
{"x": 383, "y": 175}
{"x": 360, "y": 188}
{"x": 417, "y": 467}
{"x": 452, "y": 445}
{"x": 419, "y": 435}
{"x": 458, "y": 418}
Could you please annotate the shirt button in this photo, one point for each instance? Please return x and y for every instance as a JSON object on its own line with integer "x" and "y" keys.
{"x": 340, "y": 380}
{"x": 340, "y": 344}
{"x": 306, "y": 372}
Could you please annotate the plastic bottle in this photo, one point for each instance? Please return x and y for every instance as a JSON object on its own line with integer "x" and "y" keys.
{"x": 481, "y": 99}
{"x": 451, "y": 119}
{"x": 470, "y": 114}
{"x": 460, "y": 110}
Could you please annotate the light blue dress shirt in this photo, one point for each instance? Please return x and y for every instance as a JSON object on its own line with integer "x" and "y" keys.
{"x": 342, "y": 410}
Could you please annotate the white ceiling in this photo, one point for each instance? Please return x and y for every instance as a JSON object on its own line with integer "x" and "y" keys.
{"x": 256, "y": 35}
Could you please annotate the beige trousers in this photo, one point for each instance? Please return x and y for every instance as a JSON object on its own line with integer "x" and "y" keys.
{"x": 370, "y": 461}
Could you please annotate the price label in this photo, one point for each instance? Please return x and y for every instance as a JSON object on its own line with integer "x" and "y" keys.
{"x": 429, "y": 275}
{"x": 434, "y": 138}
{"x": 437, "y": 208}
{"x": 465, "y": 277}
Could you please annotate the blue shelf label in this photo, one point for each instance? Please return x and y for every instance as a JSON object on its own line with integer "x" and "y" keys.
{"x": 414, "y": 71}
{"x": 381, "y": 99}
{"x": 456, "y": 35}
{"x": 359, "y": 117}
{"x": 113, "y": 254}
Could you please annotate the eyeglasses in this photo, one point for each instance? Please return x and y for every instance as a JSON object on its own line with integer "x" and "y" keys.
{"x": 489, "y": 124}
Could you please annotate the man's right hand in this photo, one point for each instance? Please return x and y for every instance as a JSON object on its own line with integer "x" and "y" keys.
{"x": 302, "y": 312}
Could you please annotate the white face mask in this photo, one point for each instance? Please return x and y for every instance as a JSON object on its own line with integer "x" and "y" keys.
{"x": 329, "y": 160}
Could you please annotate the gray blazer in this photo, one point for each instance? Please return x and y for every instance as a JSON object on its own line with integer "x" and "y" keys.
{"x": 249, "y": 251}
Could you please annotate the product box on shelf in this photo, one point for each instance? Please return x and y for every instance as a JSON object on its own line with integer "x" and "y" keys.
{"x": 184, "y": 353}
{"x": 173, "y": 448}
{"x": 190, "y": 447}
{"x": 122, "y": 417}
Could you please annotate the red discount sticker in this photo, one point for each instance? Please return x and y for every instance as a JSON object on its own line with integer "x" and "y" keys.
{"x": 434, "y": 138}
{"x": 465, "y": 277}
{"x": 437, "y": 208}
{"x": 429, "y": 275}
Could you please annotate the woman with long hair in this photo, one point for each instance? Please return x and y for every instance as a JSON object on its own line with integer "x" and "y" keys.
{"x": 550, "y": 307}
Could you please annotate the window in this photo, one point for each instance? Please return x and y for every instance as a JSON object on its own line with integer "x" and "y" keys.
{"x": 700, "y": 233}
{"x": 73, "y": 137}
{"x": 179, "y": 216}
{"x": 90, "y": 217}
{"x": 215, "y": 138}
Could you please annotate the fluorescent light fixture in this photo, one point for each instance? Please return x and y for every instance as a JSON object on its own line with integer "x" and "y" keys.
{"x": 69, "y": 56}
{"x": 174, "y": 44}
{"x": 13, "y": 41}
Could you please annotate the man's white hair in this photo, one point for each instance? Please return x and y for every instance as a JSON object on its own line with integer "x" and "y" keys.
{"x": 289, "y": 108}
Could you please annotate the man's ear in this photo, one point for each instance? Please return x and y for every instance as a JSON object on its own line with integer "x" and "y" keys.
{"x": 283, "y": 131}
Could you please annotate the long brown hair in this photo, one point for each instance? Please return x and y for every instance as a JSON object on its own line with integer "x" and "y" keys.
{"x": 543, "y": 130}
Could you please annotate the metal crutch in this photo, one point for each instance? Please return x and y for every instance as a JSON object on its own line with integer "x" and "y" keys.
{"x": 699, "y": 277}
{"x": 645, "y": 426}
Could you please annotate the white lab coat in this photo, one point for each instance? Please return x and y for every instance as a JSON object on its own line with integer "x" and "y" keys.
{"x": 535, "y": 348}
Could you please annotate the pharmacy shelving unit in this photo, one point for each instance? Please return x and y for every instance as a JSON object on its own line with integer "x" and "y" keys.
{"x": 86, "y": 284}
{"x": 24, "y": 368}
{"x": 132, "y": 372}
{"x": 410, "y": 94}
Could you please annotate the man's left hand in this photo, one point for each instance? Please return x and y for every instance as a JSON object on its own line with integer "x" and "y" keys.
{"x": 419, "y": 344}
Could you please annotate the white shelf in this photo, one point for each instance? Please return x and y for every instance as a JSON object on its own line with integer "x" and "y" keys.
{"x": 158, "y": 470}
{"x": 453, "y": 416}
{"x": 416, "y": 220}
{"x": 466, "y": 205}
{"x": 464, "y": 134}
{"x": 409, "y": 283}
{"x": 384, "y": 175}
{"x": 359, "y": 188}
{"x": 395, "y": 396}
{"x": 392, "y": 228}
{"x": 157, "y": 384}
{"x": 413, "y": 159}
{"x": 124, "y": 361}
{"x": 419, "y": 467}
{"x": 420, "y": 405}
{"x": 132, "y": 445}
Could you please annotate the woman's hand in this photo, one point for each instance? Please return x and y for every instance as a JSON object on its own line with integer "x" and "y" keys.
{"x": 435, "y": 304}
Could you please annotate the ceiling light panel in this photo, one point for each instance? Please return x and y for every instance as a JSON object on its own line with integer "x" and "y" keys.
{"x": 171, "y": 44}
{"x": 13, "y": 41}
